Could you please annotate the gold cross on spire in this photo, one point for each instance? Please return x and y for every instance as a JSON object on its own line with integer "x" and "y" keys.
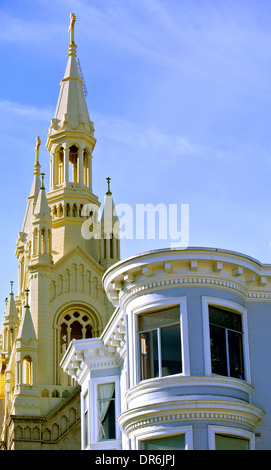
{"x": 71, "y": 28}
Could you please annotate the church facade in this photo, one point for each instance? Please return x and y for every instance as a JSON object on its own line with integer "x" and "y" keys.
{"x": 60, "y": 295}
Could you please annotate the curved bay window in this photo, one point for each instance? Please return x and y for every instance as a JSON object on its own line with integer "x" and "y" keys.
{"x": 160, "y": 343}
{"x": 226, "y": 340}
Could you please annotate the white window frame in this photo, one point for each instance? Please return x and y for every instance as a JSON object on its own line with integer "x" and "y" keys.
{"x": 231, "y": 432}
{"x": 164, "y": 432}
{"x": 106, "y": 443}
{"x": 85, "y": 390}
{"x": 235, "y": 308}
{"x": 157, "y": 306}
{"x": 85, "y": 409}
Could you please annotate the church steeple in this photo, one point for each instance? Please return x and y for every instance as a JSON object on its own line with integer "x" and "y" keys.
{"x": 71, "y": 135}
{"x": 71, "y": 142}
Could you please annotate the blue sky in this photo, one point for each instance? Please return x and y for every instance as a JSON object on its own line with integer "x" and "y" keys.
{"x": 179, "y": 92}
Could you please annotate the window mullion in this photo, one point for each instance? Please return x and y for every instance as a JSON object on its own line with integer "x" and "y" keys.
{"x": 227, "y": 352}
{"x": 159, "y": 351}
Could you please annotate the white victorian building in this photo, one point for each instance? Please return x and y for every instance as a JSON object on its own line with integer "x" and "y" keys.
{"x": 184, "y": 361}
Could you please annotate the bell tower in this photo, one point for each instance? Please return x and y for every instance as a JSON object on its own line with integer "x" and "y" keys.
{"x": 71, "y": 143}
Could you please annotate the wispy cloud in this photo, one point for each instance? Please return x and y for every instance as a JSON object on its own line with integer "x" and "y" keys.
{"x": 9, "y": 109}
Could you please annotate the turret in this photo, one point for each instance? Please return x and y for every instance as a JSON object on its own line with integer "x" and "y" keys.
{"x": 10, "y": 325}
{"x": 109, "y": 240}
{"x": 41, "y": 229}
{"x": 23, "y": 246}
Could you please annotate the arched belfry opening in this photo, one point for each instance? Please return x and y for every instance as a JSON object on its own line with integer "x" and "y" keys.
{"x": 60, "y": 166}
{"x": 73, "y": 164}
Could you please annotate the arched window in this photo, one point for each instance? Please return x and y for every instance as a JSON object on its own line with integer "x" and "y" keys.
{"x": 42, "y": 241}
{"x": 35, "y": 241}
{"x": 86, "y": 176}
{"x": 73, "y": 164}
{"x": 60, "y": 166}
{"x": 27, "y": 370}
{"x": 75, "y": 325}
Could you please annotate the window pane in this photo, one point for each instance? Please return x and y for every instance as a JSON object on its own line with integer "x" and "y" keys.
{"x": 148, "y": 355}
{"x": 167, "y": 443}
{"x": 225, "y": 319}
{"x": 86, "y": 428}
{"x": 218, "y": 350}
{"x": 230, "y": 443}
{"x": 171, "y": 350}
{"x": 106, "y": 411}
{"x": 236, "y": 355}
{"x": 158, "y": 319}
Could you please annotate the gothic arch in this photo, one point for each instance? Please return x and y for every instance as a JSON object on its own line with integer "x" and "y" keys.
{"x": 72, "y": 322}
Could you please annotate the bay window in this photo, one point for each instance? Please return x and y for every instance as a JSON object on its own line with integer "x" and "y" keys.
{"x": 227, "y": 438}
{"x": 165, "y": 443}
{"x": 226, "y": 345}
{"x": 226, "y": 341}
{"x": 160, "y": 343}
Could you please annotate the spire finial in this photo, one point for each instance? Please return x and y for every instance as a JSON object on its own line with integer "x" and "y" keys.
{"x": 108, "y": 184}
{"x": 37, "y": 163}
{"x": 11, "y": 287}
{"x": 37, "y": 150}
{"x": 42, "y": 180}
{"x": 71, "y": 28}
{"x": 26, "y": 295}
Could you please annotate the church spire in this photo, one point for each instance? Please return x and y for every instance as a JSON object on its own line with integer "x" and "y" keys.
{"x": 71, "y": 134}
{"x": 10, "y": 323}
{"x": 71, "y": 111}
{"x": 71, "y": 28}
{"x": 36, "y": 180}
{"x": 70, "y": 143}
{"x": 109, "y": 242}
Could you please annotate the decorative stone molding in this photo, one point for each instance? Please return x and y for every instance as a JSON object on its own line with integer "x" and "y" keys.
{"x": 226, "y": 387}
{"x": 207, "y": 409}
{"x": 126, "y": 296}
{"x": 194, "y": 267}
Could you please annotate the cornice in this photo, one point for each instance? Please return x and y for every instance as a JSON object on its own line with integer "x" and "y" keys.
{"x": 192, "y": 267}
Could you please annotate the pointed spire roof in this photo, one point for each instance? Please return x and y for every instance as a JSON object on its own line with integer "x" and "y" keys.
{"x": 26, "y": 330}
{"x": 33, "y": 193}
{"x": 11, "y": 314}
{"x": 36, "y": 180}
{"x": 71, "y": 110}
{"x": 109, "y": 217}
{"x": 41, "y": 211}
